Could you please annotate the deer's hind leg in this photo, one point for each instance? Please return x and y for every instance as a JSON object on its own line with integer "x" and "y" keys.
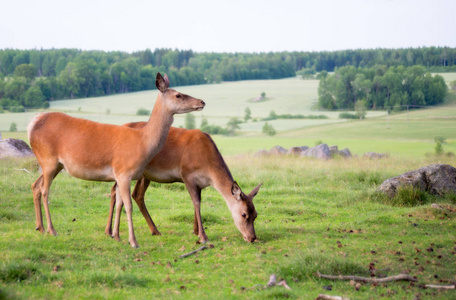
{"x": 47, "y": 178}
{"x": 36, "y": 190}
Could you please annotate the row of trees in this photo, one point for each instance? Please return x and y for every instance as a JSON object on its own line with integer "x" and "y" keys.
{"x": 32, "y": 78}
{"x": 380, "y": 87}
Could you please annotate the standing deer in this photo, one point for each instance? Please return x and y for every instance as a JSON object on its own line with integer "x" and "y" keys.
{"x": 102, "y": 152}
{"x": 191, "y": 157}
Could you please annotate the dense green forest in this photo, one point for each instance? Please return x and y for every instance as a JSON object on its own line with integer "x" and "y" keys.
{"x": 380, "y": 87}
{"x": 32, "y": 78}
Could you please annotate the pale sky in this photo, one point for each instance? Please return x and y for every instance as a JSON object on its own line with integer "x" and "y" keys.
{"x": 226, "y": 25}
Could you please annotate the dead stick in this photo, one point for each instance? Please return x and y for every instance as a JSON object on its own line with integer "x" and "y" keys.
{"x": 435, "y": 286}
{"x": 284, "y": 284}
{"x": 367, "y": 279}
{"x": 24, "y": 169}
{"x": 329, "y": 297}
{"x": 193, "y": 252}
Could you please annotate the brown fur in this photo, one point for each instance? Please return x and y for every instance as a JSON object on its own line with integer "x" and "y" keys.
{"x": 102, "y": 152}
{"x": 191, "y": 157}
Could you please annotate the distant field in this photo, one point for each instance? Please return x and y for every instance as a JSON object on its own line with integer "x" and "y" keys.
{"x": 406, "y": 134}
{"x": 224, "y": 101}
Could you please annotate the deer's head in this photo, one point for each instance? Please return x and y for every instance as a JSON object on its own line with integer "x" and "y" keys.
{"x": 243, "y": 211}
{"x": 174, "y": 101}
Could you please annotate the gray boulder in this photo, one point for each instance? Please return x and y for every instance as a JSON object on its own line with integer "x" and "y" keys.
{"x": 14, "y": 148}
{"x": 321, "y": 152}
{"x": 438, "y": 179}
{"x": 336, "y": 152}
{"x": 297, "y": 150}
{"x": 278, "y": 150}
{"x": 345, "y": 152}
{"x": 261, "y": 152}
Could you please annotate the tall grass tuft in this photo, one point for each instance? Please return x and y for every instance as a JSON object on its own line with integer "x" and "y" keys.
{"x": 16, "y": 272}
{"x": 407, "y": 196}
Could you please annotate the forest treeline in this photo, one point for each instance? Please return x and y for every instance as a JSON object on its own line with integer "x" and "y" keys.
{"x": 380, "y": 87}
{"x": 32, "y": 78}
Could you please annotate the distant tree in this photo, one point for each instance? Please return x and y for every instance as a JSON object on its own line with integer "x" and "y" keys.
{"x": 13, "y": 127}
{"x": 34, "y": 97}
{"x": 190, "y": 121}
{"x": 69, "y": 78}
{"x": 204, "y": 123}
{"x": 360, "y": 108}
{"x": 438, "y": 148}
{"x": 263, "y": 95}
{"x": 26, "y": 70}
{"x": 232, "y": 125}
{"x": 248, "y": 114}
{"x": 268, "y": 129}
{"x": 16, "y": 88}
{"x": 272, "y": 115}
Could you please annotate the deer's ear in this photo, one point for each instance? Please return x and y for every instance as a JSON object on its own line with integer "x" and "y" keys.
{"x": 236, "y": 191}
{"x": 162, "y": 83}
{"x": 255, "y": 191}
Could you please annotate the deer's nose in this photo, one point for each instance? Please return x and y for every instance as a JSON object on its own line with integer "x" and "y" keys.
{"x": 203, "y": 103}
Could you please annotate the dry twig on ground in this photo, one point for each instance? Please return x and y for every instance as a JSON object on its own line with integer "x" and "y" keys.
{"x": 368, "y": 279}
{"x": 193, "y": 252}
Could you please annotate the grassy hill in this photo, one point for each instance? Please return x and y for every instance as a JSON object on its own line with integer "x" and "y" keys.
{"x": 405, "y": 134}
{"x": 225, "y": 100}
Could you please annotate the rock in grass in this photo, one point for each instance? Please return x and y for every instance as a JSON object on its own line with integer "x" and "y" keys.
{"x": 297, "y": 150}
{"x": 14, "y": 148}
{"x": 277, "y": 150}
{"x": 321, "y": 151}
{"x": 439, "y": 179}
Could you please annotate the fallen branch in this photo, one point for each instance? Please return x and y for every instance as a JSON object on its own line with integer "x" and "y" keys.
{"x": 284, "y": 284}
{"x": 193, "y": 252}
{"x": 329, "y": 297}
{"x": 368, "y": 279}
{"x": 444, "y": 287}
{"x": 24, "y": 169}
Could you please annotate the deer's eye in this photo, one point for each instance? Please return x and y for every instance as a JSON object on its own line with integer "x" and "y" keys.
{"x": 244, "y": 215}
{"x": 178, "y": 96}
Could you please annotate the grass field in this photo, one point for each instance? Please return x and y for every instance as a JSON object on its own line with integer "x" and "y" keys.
{"x": 313, "y": 215}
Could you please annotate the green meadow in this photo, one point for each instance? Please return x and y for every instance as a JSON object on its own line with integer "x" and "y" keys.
{"x": 313, "y": 216}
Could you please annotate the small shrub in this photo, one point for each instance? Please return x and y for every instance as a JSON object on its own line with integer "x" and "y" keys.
{"x": 268, "y": 129}
{"x": 13, "y": 127}
{"x": 17, "y": 109}
{"x": 346, "y": 115}
{"x": 142, "y": 112}
{"x": 15, "y": 272}
{"x": 438, "y": 148}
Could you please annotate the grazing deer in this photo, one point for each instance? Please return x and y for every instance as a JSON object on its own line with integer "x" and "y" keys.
{"x": 102, "y": 152}
{"x": 191, "y": 157}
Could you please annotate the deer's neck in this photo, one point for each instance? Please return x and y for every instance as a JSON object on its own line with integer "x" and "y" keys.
{"x": 223, "y": 184}
{"x": 157, "y": 128}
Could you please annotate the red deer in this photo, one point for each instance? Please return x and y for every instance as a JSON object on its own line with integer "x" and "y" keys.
{"x": 191, "y": 157}
{"x": 102, "y": 152}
